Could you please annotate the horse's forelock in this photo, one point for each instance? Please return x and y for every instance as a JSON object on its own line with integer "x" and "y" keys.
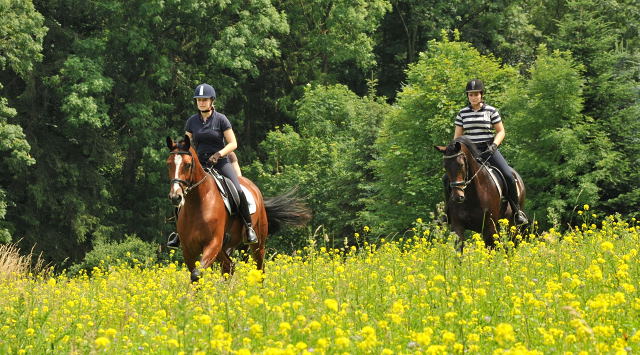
{"x": 182, "y": 145}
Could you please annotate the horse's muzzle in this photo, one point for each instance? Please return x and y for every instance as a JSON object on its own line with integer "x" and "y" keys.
{"x": 176, "y": 199}
{"x": 458, "y": 199}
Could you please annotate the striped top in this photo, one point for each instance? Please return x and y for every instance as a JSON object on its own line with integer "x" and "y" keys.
{"x": 478, "y": 125}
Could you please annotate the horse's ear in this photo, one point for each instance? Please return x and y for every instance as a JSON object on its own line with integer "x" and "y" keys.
{"x": 187, "y": 142}
{"x": 170, "y": 143}
{"x": 440, "y": 148}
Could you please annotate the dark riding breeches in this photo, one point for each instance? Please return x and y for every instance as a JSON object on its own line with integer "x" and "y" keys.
{"x": 500, "y": 162}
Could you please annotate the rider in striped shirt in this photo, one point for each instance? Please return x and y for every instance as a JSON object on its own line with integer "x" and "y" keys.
{"x": 483, "y": 125}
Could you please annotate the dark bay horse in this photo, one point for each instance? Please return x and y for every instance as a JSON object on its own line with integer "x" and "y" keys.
{"x": 474, "y": 201}
{"x": 203, "y": 219}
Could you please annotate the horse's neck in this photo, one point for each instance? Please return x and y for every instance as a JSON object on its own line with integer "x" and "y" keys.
{"x": 205, "y": 186}
{"x": 478, "y": 171}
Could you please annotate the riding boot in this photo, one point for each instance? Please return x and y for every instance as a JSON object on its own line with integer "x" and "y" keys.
{"x": 174, "y": 238}
{"x": 519, "y": 217}
{"x": 251, "y": 237}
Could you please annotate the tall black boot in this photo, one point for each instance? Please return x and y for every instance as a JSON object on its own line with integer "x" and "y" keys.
{"x": 519, "y": 217}
{"x": 174, "y": 238}
{"x": 251, "y": 237}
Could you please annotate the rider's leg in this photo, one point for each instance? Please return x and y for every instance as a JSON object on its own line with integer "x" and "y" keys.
{"x": 227, "y": 170}
{"x": 233, "y": 159}
{"x": 174, "y": 239}
{"x": 499, "y": 162}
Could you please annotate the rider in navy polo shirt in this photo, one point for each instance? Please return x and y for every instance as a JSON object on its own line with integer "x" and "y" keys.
{"x": 211, "y": 133}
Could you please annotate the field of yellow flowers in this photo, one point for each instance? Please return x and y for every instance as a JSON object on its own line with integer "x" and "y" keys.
{"x": 572, "y": 292}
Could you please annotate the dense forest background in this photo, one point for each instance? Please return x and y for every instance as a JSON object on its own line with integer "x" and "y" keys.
{"x": 344, "y": 99}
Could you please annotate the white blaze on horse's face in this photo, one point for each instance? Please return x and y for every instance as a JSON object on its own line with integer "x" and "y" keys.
{"x": 176, "y": 189}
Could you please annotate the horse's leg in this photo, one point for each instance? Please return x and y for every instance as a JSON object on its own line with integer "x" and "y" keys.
{"x": 458, "y": 228}
{"x": 211, "y": 250}
{"x": 490, "y": 229}
{"x": 226, "y": 263}
{"x": 258, "y": 254}
{"x": 190, "y": 260}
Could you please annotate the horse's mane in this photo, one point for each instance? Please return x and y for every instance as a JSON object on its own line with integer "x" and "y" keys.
{"x": 451, "y": 148}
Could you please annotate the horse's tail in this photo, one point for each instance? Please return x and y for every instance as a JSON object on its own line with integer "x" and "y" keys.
{"x": 286, "y": 209}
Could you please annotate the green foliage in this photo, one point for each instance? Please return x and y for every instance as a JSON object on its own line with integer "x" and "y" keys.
{"x": 328, "y": 159}
{"x": 21, "y": 33}
{"x": 408, "y": 169}
{"x": 559, "y": 154}
{"x": 131, "y": 251}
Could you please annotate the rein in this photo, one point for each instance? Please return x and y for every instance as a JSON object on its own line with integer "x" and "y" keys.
{"x": 189, "y": 184}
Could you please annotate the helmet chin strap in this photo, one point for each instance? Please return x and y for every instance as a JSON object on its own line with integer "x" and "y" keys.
{"x": 205, "y": 111}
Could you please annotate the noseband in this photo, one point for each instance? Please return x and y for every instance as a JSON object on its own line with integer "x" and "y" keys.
{"x": 187, "y": 185}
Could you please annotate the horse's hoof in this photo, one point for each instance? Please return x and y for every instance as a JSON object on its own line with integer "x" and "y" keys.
{"x": 195, "y": 275}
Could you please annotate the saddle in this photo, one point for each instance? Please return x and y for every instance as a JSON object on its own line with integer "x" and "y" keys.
{"x": 230, "y": 194}
{"x": 499, "y": 179}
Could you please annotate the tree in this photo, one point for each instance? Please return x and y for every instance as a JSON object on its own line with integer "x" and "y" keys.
{"x": 560, "y": 153}
{"x": 328, "y": 158}
{"x": 21, "y": 34}
{"x": 604, "y": 37}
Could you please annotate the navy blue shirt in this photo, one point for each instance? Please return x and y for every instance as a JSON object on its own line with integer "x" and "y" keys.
{"x": 208, "y": 136}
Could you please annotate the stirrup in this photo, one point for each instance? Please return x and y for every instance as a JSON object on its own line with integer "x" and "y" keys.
{"x": 520, "y": 218}
{"x": 250, "y": 236}
{"x": 174, "y": 240}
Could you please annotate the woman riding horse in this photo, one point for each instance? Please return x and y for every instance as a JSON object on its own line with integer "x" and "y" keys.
{"x": 208, "y": 130}
{"x": 478, "y": 121}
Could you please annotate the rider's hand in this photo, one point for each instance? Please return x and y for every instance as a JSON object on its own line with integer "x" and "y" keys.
{"x": 492, "y": 148}
{"x": 214, "y": 157}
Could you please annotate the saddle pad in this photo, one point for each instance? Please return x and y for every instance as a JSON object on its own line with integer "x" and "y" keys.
{"x": 251, "y": 201}
{"x": 496, "y": 180}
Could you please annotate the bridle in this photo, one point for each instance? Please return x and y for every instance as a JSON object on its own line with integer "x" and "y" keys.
{"x": 461, "y": 185}
{"x": 187, "y": 186}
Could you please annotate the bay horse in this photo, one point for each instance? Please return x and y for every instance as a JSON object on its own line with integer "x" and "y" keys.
{"x": 474, "y": 201}
{"x": 203, "y": 220}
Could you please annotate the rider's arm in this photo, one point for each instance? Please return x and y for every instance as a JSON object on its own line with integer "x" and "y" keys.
{"x": 499, "y": 127}
{"x": 458, "y": 132}
{"x": 230, "y": 138}
{"x": 191, "y": 139}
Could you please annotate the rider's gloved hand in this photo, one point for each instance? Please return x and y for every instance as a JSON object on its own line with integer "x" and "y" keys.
{"x": 214, "y": 157}
{"x": 492, "y": 148}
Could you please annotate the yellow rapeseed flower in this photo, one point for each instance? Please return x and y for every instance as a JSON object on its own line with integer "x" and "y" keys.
{"x": 504, "y": 334}
{"x": 606, "y": 246}
{"x": 102, "y": 342}
{"x": 331, "y": 304}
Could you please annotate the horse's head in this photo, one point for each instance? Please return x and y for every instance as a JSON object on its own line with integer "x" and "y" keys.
{"x": 181, "y": 164}
{"x": 457, "y": 157}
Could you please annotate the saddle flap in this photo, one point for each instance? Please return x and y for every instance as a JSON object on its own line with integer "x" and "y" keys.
{"x": 498, "y": 179}
{"x": 228, "y": 191}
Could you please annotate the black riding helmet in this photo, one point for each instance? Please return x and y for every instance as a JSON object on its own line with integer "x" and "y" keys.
{"x": 475, "y": 85}
{"x": 204, "y": 91}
